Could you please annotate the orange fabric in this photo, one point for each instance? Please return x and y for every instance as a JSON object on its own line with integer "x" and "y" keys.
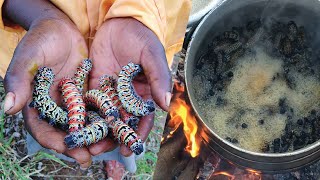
{"x": 166, "y": 18}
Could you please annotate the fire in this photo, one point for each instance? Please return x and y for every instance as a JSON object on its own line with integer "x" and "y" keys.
{"x": 181, "y": 112}
{"x": 247, "y": 174}
{"x": 230, "y": 177}
{"x": 257, "y": 173}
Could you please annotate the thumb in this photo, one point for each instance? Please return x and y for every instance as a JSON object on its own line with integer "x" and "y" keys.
{"x": 155, "y": 67}
{"x": 17, "y": 83}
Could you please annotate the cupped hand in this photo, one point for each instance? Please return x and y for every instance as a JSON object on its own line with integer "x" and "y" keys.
{"x": 55, "y": 43}
{"x": 122, "y": 40}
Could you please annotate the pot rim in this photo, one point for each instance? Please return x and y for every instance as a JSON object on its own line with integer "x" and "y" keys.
{"x": 194, "y": 18}
{"x": 192, "y": 100}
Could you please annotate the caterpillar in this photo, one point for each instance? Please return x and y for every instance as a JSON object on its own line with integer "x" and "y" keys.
{"x": 221, "y": 47}
{"x": 292, "y": 30}
{"x": 92, "y": 133}
{"x": 81, "y": 73}
{"x": 125, "y": 135}
{"x": 132, "y": 102}
{"x": 107, "y": 84}
{"x": 255, "y": 38}
{"x": 42, "y": 101}
{"x": 233, "y": 47}
{"x": 277, "y": 40}
{"x": 74, "y": 102}
{"x": 101, "y": 101}
{"x": 232, "y": 35}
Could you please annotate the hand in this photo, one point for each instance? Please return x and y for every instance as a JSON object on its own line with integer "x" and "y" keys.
{"x": 117, "y": 42}
{"x": 55, "y": 43}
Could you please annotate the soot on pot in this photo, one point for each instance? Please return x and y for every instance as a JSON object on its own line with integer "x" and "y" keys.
{"x": 260, "y": 88}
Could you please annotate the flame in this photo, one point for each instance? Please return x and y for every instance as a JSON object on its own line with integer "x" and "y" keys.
{"x": 257, "y": 173}
{"x": 249, "y": 174}
{"x": 230, "y": 177}
{"x": 181, "y": 112}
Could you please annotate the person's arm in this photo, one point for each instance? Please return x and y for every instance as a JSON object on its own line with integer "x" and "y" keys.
{"x": 53, "y": 41}
{"x": 27, "y": 12}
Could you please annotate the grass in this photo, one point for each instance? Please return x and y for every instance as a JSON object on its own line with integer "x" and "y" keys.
{"x": 146, "y": 165}
{"x": 12, "y": 164}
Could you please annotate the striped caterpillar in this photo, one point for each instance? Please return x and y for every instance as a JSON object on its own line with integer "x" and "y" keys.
{"x": 74, "y": 102}
{"x": 92, "y": 133}
{"x": 101, "y": 101}
{"x": 107, "y": 84}
{"x": 42, "y": 101}
{"x": 81, "y": 73}
{"x": 126, "y": 136}
{"x": 130, "y": 100}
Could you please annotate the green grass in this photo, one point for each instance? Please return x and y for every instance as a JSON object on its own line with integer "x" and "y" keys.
{"x": 14, "y": 166}
{"x": 146, "y": 165}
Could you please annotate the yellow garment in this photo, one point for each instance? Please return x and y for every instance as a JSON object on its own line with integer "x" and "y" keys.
{"x": 166, "y": 18}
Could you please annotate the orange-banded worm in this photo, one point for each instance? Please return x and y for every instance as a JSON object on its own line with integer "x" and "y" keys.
{"x": 42, "y": 101}
{"x": 98, "y": 99}
{"x": 92, "y": 133}
{"x": 74, "y": 102}
{"x": 125, "y": 135}
{"x": 107, "y": 84}
{"x": 81, "y": 73}
{"x": 130, "y": 100}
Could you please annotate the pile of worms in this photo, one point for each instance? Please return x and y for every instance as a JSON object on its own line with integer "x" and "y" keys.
{"x": 88, "y": 116}
{"x": 284, "y": 40}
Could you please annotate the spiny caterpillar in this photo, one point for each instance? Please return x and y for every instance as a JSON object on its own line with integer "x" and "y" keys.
{"x": 81, "y": 73}
{"x": 126, "y": 136}
{"x": 130, "y": 100}
{"x": 106, "y": 101}
{"x": 101, "y": 101}
{"x": 74, "y": 102}
{"x": 42, "y": 101}
{"x": 92, "y": 133}
{"x": 107, "y": 84}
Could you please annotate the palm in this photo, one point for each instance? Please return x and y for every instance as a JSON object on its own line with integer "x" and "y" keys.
{"x": 116, "y": 45}
{"x": 123, "y": 40}
{"x": 55, "y": 44}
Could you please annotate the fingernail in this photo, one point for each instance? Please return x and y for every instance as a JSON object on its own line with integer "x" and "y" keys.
{"x": 86, "y": 165}
{"x": 168, "y": 98}
{"x": 8, "y": 101}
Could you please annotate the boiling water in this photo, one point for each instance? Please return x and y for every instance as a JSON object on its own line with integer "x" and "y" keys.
{"x": 250, "y": 113}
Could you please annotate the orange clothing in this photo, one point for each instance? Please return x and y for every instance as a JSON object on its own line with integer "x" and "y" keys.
{"x": 166, "y": 18}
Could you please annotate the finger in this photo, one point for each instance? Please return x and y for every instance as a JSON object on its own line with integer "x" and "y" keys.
{"x": 20, "y": 73}
{"x": 53, "y": 138}
{"x": 17, "y": 83}
{"x": 144, "y": 127}
{"x": 155, "y": 66}
{"x": 103, "y": 146}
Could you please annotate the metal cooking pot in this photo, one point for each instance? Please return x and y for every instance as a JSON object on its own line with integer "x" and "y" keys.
{"x": 224, "y": 16}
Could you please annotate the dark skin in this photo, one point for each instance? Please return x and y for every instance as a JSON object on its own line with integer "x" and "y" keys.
{"x": 53, "y": 40}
